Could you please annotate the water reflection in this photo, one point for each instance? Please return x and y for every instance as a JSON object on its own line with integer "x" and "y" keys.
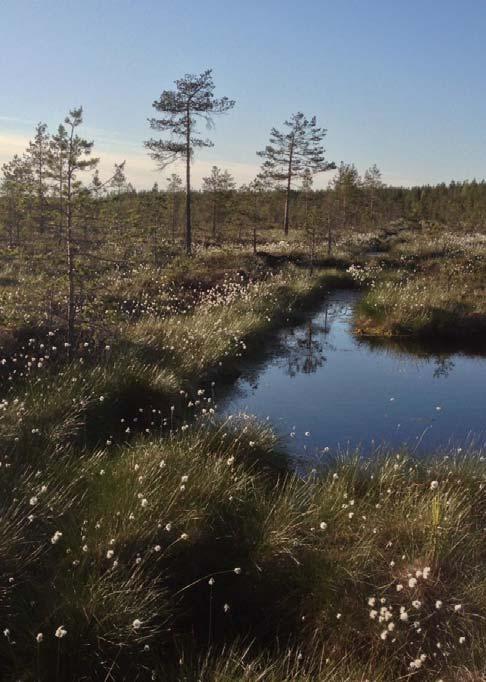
{"x": 443, "y": 367}
{"x": 306, "y": 354}
{"x": 323, "y": 388}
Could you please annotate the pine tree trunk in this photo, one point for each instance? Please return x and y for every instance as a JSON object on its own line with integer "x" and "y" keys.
{"x": 313, "y": 249}
{"x": 70, "y": 272}
{"x": 41, "y": 197}
{"x": 287, "y": 193}
{"x": 173, "y": 217}
{"x": 69, "y": 254}
{"x": 255, "y": 222}
{"x": 155, "y": 232}
{"x": 188, "y": 186}
{"x": 214, "y": 218}
{"x": 61, "y": 203}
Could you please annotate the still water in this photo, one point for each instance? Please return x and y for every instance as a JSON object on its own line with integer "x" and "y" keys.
{"x": 320, "y": 388}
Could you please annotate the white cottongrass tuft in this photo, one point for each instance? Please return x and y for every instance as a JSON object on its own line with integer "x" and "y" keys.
{"x": 56, "y": 537}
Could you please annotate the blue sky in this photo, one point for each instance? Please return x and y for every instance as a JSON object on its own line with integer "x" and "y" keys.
{"x": 399, "y": 83}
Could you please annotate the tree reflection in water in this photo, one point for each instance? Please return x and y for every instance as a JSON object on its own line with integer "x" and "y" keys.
{"x": 306, "y": 354}
{"x": 443, "y": 367}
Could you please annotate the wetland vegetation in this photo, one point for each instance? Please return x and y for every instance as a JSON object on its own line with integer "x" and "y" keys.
{"x": 148, "y": 533}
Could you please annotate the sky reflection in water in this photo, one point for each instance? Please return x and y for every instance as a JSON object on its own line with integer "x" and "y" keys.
{"x": 322, "y": 388}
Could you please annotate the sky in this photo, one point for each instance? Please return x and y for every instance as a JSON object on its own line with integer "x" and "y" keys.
{"x": 399, "y": 83}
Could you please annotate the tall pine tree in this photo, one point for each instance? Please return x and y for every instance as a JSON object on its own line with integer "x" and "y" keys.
{"x": 192, "y": 99}
{"x": 293, "y": 152}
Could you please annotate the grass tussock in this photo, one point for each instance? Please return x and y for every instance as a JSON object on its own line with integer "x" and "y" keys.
{"x": 435, "y": 292}
{"x": 157, "y": 559}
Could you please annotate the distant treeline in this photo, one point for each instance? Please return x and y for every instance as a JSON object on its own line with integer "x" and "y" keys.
{"x": 223, "y": 212}
{"x": 47, "y": 202}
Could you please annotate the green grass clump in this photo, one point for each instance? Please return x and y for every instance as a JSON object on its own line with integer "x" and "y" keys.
{"x": 434, "y": 290}
{"x": 199, "y": 546}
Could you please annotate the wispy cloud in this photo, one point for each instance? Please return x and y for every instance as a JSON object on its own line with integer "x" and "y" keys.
{"x": 16, "y": 119}
{"x": 10, "y": 144}
{"x": 141, "y": 171}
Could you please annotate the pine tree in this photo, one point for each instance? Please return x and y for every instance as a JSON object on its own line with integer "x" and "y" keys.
{"x": 193, "y": 98}
{"x": 372, "y": 183}
{"x": 119, "y": 179}
{"x": 118, "y": 185}
{"x": 294, "y": 152}
{"x": 38, "y": 157}
{"x": 346, "y": 185}
{"x": 17, "y": 193}
{"x": 174, "y": 186}
{"x": 307, "y": 183}
{"x": 97, "y": 191}
{"x": 219, "y": 184}
{"x": 251, "y": 202}
{"x": 70, "y": 155}
{"x": 57, "y": 173}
